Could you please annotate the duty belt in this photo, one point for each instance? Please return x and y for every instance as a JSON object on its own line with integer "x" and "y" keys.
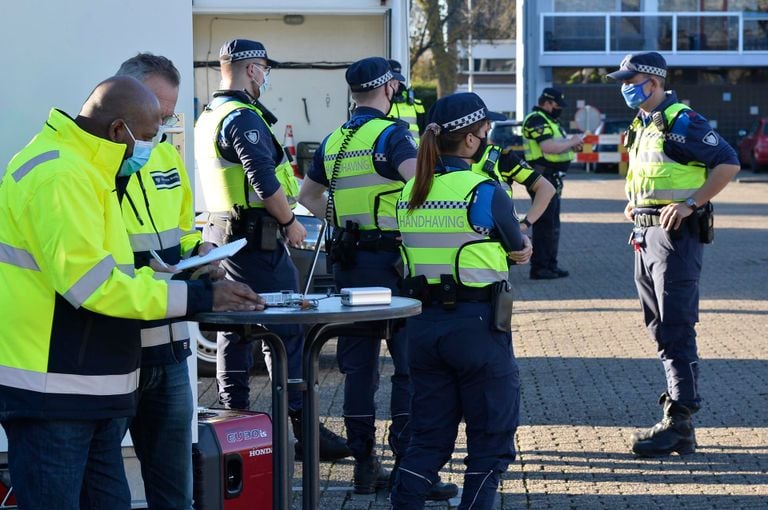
{"x": 647, "y": 217}
{"x": 478, "y": 294}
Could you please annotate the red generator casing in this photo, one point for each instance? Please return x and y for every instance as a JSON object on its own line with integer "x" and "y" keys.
{"x": 232, "y": 460}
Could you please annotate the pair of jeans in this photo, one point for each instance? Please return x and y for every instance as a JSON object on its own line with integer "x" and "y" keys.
{"x": 162, "y": 435}
{"x": 67, "y": 464}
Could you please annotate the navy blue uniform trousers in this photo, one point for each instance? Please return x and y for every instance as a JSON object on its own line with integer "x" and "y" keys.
{"x": 264, "y": 271}
{"x": 358, "y": 359}
{"x": 667, "y": 271}
{"x": 460, "y": 368}
{"x": 546, "y": 230}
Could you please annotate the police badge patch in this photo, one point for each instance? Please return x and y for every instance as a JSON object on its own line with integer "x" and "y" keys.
{"x": 711, "y": 139}
{"x": 252, "y": 136}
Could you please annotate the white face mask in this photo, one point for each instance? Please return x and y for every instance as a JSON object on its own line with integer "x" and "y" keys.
{"x": 264, "y": 86}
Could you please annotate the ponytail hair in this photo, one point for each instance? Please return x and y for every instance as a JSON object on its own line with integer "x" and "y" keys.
{"x": 426, "y": 161}
{"x": 434, "y": 142}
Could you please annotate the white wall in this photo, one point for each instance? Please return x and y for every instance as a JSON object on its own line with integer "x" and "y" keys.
{"x": 318, "y": 39}
{"x": 54, "y": 52}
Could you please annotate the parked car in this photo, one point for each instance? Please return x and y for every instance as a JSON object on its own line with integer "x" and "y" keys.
{"x": 609, "y": 127}
{"x": 508, "y": 134}
{"x": 302, "y": 257}
{"x": 753, "y": 146}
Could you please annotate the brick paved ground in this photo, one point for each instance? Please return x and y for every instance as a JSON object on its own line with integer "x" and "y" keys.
{"x": 590, "y": 377}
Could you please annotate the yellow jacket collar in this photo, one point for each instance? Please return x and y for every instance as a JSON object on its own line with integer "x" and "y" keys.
{"x": 105, "y": 155}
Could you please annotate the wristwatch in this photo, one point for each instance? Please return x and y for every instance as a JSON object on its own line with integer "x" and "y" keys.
{"x": 692, "y": 203}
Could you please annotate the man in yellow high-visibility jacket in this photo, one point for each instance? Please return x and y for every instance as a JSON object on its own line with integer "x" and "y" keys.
{"x": 69, "y": 346}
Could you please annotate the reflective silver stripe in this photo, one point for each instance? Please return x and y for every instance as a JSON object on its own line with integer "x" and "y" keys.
{"x": 127, "y": 269}
{"x": 389, "y": 222}
{"x": 360, "y": 219}
{"x": 361, "y": 181}
{"x": 439, "y": 240}
{"x": 177, "y": 299}
{"x": 432, "y": 271}
{"x": 161, "y": 335}
{"x": 90, "y": 281}
{"x": 69, "y": 384}
{"x": 475, "y": 275}
{"x": 673, "y": 195}
{"x": 409, "y": 120}
{"x": 32, "y": 163}
{"x": 652, "y": 157}
{"x": 17, "y": 257}
{"x": 155, "y": 241}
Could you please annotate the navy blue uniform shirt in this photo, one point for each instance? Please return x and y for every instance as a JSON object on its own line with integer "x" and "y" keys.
{"x": 695, "y": 140}
{"x": 396, "y": 143}
{"x": 246, "y": 139}
{"x": 492, "y": 209}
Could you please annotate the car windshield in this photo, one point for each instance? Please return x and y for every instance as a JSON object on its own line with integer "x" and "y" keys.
{"x": 506, "y": 135}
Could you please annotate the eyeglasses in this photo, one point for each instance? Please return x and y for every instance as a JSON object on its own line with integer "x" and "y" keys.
{"x": 170, "y": 120}
{"x": 264, "y": 69}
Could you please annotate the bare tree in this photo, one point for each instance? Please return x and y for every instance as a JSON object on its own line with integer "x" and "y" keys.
{"x": 439, "y": 26}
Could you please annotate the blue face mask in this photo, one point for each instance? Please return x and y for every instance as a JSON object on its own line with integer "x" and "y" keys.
{"x": 142, "y": 150}
{"x": 633, "y": 94}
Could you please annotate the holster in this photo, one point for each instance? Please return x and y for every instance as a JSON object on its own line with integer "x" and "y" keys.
{"x": 416, "y": 287}
{"x": 256, "y": 226}
{"x": 705, "y": 218}
{"x": 501, "y": 304}
{"x": 343, "y": 246}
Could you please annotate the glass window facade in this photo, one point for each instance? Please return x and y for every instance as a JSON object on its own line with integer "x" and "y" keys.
{"x": 574, "y": 33}
{"x": 488, "y": 65}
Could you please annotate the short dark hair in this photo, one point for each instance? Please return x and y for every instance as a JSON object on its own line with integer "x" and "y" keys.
{"x": 145, "y": 64}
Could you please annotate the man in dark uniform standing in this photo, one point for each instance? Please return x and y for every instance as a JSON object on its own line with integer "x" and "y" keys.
{"x": 364, "y": 165}
{"x": 548, "y": 150}
{"x": 405, "y": 105}
{"x": 249, "y": 185}
{"x": 677, "y": 164}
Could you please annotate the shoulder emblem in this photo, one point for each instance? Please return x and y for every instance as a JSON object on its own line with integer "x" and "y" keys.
{"x": 711, "y": 139}
{"x": 252, "y": 136}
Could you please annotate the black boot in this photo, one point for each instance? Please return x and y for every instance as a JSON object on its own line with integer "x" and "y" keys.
{"x": 332, "y": 446}
{"x": 369, "y": 475}
{"x": 440, "y": 491}
{"x": 674, "y": 433}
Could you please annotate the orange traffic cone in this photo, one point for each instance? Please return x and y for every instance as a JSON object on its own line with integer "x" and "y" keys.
{"x": 290, "y": 147}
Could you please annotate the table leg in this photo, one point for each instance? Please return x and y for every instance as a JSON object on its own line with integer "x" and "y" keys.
{"x": 281, "y": 478}
{"x": 313, "y": 343}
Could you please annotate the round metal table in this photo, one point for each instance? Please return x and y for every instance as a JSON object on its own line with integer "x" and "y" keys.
{"x": 329, "y": 320}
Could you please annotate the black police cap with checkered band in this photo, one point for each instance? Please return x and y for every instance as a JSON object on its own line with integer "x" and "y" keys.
{"x": 648, "y": 62}
{"x": 458, "y": 111}
{"x": 370, "y": 73}
{"x": 243, "y": 49}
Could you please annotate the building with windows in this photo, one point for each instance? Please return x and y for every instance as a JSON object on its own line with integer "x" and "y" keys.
{"x": 493, "y": 73}
{"x": 717, "y": 52}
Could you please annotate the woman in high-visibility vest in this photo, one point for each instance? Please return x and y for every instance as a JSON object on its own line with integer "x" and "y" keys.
{"x": 458, "y": 231}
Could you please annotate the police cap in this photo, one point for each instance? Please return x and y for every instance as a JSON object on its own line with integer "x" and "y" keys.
{"x": 370, "y": 73}
{"x": 648, "y": 62}
{"x": 457, "y": 111}
{"x": 552, "y": 94}
{"x": 243, "y": 49}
